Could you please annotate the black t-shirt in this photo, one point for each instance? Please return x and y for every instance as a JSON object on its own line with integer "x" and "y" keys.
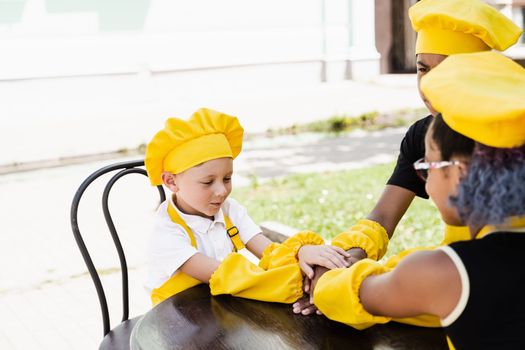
{"x": 412, "y": 148}
{"x": 494, "y": 315}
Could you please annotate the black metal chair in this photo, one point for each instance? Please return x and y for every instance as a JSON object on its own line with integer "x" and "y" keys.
{"x": 118, "y": 337}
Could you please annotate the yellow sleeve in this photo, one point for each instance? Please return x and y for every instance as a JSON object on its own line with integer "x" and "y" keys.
{"x": 367, "y": 235}
{"x": 276, "y": 255}
{"x": 237, "y": 276}
{"x": 337, "y": 294}
{"x": 303, "y": 238}
{"x": 280, "y": 254}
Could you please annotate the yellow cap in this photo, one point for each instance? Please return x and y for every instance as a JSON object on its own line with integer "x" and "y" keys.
{"x": 182, "y": 144}
{"x": 480, "y": 95}
{"x": 449, "y": 27}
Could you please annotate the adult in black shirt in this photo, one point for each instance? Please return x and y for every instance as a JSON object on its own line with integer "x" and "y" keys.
{"x": 412, "y": 148}
{"x": 459, "y": 24}
{"x": 404, "y": 184}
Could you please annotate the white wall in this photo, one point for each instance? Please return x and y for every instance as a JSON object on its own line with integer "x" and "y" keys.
{"x": 45, "y": 38}
{"x": 89, "y": 76}
{"x": 88, "y": 37}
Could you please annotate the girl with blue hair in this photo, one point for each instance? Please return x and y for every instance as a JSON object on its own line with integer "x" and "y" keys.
{"x": 474, "y": 167}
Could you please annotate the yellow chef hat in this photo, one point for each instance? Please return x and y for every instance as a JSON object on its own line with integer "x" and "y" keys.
{"x": 182, "y": 144}
{"x": 448, "y": 27}
{"x": 480, "y": 95}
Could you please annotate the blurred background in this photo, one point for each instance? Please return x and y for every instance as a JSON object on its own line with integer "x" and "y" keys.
{"x": 84, "y": 83}
{"x": 70, "y": 69}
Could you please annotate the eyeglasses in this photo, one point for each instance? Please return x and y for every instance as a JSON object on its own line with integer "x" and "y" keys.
{"x": 422, "y": 167}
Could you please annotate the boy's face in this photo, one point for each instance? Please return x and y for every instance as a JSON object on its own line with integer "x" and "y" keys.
{"x": 426, "y": 62}
{"x": 201, "y": 190}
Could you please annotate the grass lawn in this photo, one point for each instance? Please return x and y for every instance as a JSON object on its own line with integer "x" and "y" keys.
{"x": 330, "y": 202}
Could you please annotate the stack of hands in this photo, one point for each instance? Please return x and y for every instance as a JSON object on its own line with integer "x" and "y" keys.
{"x": 314, "y": 261}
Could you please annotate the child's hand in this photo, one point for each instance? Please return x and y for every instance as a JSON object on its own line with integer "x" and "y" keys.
{"x": 319, "y": 271}
{"x": 323, "y": 255}
{"x": 306, "y": 305}
{"x": 355, "y": 254}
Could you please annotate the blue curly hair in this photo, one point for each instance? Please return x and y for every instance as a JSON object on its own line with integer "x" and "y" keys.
{"x": 494, "y": 188}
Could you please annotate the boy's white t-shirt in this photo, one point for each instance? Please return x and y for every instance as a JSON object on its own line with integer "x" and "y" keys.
{"x": 170, "y": 245}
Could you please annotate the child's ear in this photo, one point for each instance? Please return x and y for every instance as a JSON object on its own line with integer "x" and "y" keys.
{"x": 169, "y": 181}
{"x": 463, "y": 169}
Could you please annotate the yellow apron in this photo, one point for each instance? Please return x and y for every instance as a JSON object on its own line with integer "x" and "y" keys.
{"x": 180, "y": 281}
{"x": 455, "y": 234}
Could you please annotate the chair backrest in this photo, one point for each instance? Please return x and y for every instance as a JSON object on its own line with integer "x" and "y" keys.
{"x": 122, "y": 169}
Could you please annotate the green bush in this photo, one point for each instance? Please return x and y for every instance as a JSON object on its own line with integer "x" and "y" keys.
{"x": 366, "y": 121}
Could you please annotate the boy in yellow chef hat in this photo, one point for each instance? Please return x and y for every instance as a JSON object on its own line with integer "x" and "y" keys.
{"x": 444, "y": 27}
{"x": 474, "y": 167}
{"x": 199, "y": 227}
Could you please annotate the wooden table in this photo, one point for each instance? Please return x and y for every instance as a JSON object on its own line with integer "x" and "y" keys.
{"x": 196, "y": 320}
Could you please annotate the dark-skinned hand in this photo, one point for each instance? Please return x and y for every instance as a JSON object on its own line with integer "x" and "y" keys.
{"x": 305, "y": 305}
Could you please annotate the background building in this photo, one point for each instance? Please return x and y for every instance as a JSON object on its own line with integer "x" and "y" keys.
{"x": 395, "y": 39}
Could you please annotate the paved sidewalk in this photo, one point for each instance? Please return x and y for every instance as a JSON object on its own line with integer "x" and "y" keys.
{"x": 47, "y": 300}
{"x": 72, "y": 117}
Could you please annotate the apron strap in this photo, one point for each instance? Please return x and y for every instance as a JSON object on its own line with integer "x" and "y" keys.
{"x": 233, "y": 233}
{"x": 175, "y": 217}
